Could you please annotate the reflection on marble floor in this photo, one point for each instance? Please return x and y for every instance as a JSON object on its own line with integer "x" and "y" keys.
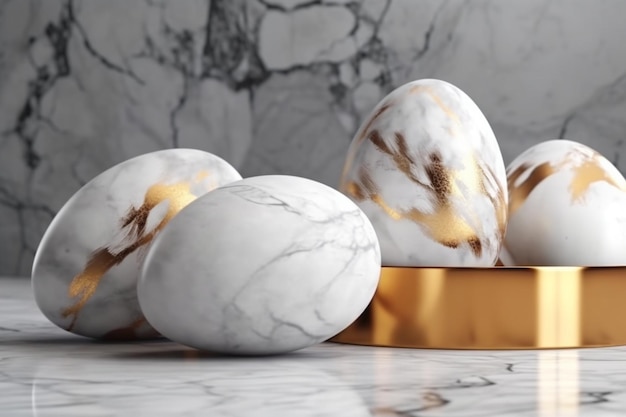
{"x": 47, "y": 372}
{"x": 279, "y": 86}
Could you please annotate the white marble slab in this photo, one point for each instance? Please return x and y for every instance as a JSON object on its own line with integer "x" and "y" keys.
{"x": 47, "y": 372}
{"x": 279, "y": 86}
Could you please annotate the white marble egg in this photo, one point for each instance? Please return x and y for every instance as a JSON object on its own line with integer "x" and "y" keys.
{"x": 427, "y": 170}
{"x": 87, "y": 265}
{"x": 265, "y": 265}
{"x": 567, "y": 206}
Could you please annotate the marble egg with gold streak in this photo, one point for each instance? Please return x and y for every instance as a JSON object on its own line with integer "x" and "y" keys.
{"x": 87, "y": 265}
{"x": 567, "y": 207}
{"x": 426, "y": 168}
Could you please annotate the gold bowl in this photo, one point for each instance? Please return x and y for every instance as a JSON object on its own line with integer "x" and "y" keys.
{"x": 494, "y": 308}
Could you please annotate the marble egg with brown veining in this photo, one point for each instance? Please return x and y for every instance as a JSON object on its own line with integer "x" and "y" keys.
{"x": 426, "y": 168}
{"x": 567, "y": 207}
{"x": 88, "y": 262}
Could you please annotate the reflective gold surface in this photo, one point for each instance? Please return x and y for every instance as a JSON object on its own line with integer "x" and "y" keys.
{"x": 494, "y": 308}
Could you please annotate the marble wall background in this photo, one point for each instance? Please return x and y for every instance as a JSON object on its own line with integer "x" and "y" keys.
{"x": 279, "y": 86}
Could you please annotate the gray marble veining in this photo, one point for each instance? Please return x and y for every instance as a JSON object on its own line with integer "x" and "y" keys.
{"x": 295, "y": 263}
{"x": 45, "y": 371}
{"x": 279, "y": 86}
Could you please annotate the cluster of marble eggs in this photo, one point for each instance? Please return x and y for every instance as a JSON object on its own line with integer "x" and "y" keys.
{"x": 426, "y": 168}
{"x": 176, "y": 243}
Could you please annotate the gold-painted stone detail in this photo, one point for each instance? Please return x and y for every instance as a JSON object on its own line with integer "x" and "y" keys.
{"x": 498, "y": 200}
{"x": 381, "y": 110}
{"x": 587, "y": 172}
{"x": 520, "y": 192}
{"x": 443, "y": 223}
{"x": 362, "y": 136}
{"x": 135, "y": 236}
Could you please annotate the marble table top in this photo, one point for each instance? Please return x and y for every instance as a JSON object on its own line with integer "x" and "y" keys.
{"x": 45, "y": 371}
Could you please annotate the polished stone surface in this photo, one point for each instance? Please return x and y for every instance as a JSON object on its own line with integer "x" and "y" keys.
{"x": 426, "y": 168}
{"x": 265, "y": 265}
{"x": 279, "y": 86}
{"x": 45, "y": 371}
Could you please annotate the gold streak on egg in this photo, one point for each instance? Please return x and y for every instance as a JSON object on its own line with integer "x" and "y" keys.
{"x": 364, "y": 134}
{"x": 444, "y": 224}
{"x": 519, "y": 193}
{"x": 84, "y": 285}
{"x": 585, "y": 174}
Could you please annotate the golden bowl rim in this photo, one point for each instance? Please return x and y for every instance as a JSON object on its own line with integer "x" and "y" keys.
{"x": 537, "y": 307}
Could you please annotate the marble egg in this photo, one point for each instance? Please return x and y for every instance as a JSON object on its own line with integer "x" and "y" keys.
{"x": 87, "y": 265}
{"x": 265, "y": 265}
{"x": 567, "y": 207}
{"x": 427, "y": 170}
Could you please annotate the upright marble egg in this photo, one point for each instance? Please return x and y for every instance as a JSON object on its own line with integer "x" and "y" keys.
{"x": 264, "y": 265}
{"x": 567, "y": 206}
{"x": 87, "y": 265}
{"x": 427, "y": 170}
